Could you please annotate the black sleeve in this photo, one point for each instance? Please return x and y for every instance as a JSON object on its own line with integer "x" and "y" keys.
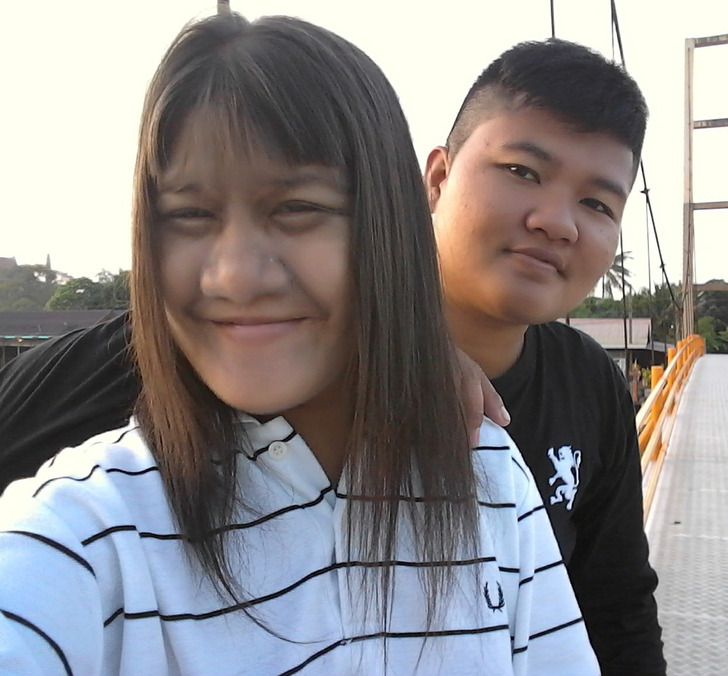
{"x": 609, "y": 569}
{"x": 61, "y": 393}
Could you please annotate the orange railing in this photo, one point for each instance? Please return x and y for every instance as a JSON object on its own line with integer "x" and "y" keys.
{"x": 656, "y": 418}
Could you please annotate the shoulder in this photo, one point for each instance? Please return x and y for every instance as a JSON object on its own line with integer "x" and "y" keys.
{"x": 502, "y": 472}
{"x": 568, "y": 349}
{"x": 107, "y": 338}
{"x": 97, "y": 472}
{"x": 559, "y": 335}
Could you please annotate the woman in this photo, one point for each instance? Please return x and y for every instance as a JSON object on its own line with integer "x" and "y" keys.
{"x": 295, "y": 493}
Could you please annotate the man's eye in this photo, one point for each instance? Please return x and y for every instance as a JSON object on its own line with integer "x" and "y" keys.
{"x": 598, "y": 206}
{"x": 523, "y": 172}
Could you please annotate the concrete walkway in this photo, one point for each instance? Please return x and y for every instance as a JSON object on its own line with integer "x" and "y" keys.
{"x": 688, "y": 527}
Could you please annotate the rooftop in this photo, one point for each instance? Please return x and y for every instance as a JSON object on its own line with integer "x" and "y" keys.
{"x": 44, "y": 324}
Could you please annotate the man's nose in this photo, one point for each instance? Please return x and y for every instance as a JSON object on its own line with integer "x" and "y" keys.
{"x": 555, "y": 216}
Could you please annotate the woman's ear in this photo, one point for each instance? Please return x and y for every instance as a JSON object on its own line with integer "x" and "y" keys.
{"x": 436, "y": 172}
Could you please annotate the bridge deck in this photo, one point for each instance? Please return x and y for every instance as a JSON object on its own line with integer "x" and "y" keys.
{"x": 688, "y": 527}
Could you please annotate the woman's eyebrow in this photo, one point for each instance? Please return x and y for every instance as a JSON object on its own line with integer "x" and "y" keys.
{"x": 296, "y": 179}
{"x": 310, "y": 175}
{"x": 178, "y": 188}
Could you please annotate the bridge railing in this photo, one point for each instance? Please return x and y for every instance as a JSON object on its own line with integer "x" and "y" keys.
{"x": 656, "y": 417}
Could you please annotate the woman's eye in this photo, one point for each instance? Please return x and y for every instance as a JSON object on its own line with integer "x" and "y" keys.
{"x": 298, "y": 208}
{"x": 192, "y": 220}
{"x": 598, "y": 206}
{"x": 186, "y": 213}
{"x": 300, "y": 215}
{"x": 309, "y": 207}
{"x": 522, "y": 172}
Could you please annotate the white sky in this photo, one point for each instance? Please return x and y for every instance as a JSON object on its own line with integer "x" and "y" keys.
{"x": 74, "y": 73}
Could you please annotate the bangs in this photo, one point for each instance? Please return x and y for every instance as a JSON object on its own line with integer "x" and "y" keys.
{"x": 265, "y": 103}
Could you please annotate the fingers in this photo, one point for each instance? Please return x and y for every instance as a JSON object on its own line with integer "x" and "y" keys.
{"x": 478, "y": 396}
{"x": 472, "y": 396}
{"x": 493, "y": 405}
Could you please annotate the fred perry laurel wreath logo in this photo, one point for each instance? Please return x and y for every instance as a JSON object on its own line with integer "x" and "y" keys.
{"x": 501, "y": 599}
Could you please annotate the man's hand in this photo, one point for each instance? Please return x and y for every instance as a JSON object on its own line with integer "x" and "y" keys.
{"x": 478, "y": 396}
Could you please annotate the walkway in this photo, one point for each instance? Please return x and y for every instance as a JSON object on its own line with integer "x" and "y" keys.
{"x": 688, "y": 527}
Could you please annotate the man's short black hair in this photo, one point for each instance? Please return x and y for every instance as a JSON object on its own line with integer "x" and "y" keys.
{"x": 577, "y": 84}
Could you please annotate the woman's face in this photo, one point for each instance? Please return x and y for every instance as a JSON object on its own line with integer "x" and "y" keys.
{"x": 254, "y": 262}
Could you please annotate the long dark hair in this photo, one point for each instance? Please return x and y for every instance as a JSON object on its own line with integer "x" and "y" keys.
{"x": 308, "y": 96}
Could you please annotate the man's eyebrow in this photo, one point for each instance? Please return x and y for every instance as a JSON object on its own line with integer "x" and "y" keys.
{"x": 531, "y": 148}
{"x": 610, "y": 186}
{"x": 543, "y": 154}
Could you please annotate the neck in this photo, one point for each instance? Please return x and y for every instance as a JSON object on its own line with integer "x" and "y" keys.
{"x": 325, "y": 425}
{"x": 495, "y": 346}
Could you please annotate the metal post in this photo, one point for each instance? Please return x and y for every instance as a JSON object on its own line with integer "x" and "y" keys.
{"x": 689, "y": 206}
{"x": 688, "y": 318}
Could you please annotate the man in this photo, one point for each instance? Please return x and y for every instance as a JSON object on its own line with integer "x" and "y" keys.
{"x": 527, "y": 199}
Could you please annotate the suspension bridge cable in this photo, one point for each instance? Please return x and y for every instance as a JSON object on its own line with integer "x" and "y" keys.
{"x": 650, "y": 303}
{"x": 645, "y": 190}
{"x": 553, "y": 23}
{"x": 622, "y": 271}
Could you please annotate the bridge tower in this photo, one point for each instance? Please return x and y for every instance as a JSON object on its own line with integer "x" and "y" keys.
{"x": 689, "y": 206}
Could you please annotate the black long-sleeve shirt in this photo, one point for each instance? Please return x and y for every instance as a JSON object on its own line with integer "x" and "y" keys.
{"x": 573, "y": 420}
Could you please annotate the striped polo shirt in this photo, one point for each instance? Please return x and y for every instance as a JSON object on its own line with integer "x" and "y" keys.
{"x": 94, "y": 577}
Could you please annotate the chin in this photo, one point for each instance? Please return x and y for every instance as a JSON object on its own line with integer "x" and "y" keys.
{"x": 527, "y": 313}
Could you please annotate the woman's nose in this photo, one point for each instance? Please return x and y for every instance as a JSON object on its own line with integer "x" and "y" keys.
{"x": 243, "y": 263}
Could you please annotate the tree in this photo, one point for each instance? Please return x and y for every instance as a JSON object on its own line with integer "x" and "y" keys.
{"x": 612, "y": 278}
{"x": 658, "y": 306}
{"x": 714, "y": 304}
{"x": 715, "y": 341}
{"x": 598, "y": 307}
{"x": 109, "y": 292}
{"x": 26, "y": 287}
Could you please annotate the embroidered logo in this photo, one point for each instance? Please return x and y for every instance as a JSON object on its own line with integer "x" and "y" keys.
{"x": 566, "y": 463}
{"x": 501, "y": 598}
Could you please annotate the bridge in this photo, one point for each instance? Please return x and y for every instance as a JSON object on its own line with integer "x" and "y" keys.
{"x": 684, "y": 437}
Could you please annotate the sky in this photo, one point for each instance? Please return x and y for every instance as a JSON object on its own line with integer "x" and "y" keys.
{"x": 74, "y": 74}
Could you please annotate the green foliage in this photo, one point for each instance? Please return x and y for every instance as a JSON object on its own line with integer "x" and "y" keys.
{"x": 714, "y": 304}
{"x": 26, "y": 287}
{"x": 616, "y": 273}
{"x": 658, "y": 306}
{"x": 715, "y": 341}
{"x": 598, "y": 307}
{"x": 110, "y": 291}
{"x": 711, "y": 310}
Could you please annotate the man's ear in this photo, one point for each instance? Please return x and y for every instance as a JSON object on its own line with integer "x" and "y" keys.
{"x": 437, "y": 169}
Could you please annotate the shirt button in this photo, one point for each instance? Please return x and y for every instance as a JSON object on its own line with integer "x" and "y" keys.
{"x": 278, "y": 450}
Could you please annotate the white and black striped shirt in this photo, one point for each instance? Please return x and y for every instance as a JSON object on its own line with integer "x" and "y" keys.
{"x": 94, "y": 578}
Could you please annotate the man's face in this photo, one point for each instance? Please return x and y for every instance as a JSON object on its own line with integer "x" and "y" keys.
{"x": 527, "y": 216}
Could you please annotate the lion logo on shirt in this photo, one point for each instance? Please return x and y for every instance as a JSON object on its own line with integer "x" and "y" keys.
{"x": 566, "y": 462}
